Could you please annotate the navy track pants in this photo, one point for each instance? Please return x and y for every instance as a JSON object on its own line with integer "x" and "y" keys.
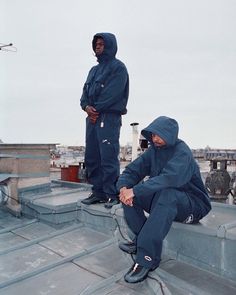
{"x": 163, "y": 207}
{"x": 102, "y": 154}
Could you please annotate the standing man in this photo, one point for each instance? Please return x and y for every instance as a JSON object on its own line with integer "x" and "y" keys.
{"x": 104, "y": 99}
{"x": 173, "y": 191}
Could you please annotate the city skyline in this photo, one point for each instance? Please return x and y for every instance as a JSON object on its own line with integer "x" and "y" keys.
{"x": 180, "y": 56}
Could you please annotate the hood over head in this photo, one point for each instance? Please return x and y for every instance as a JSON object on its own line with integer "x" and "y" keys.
{"x": 110, "y": 46}
{"x": 165, "y": 127}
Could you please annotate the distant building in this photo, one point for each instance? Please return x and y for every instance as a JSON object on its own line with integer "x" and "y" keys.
{"x": 199, "y": 153}
{"x": 226, "y": 153}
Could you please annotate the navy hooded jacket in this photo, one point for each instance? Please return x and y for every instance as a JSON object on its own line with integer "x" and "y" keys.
{"x": 107, "y": 84}
{"x": 169, "y": 166}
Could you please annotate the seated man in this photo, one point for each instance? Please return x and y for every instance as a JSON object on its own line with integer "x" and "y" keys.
{"x": 174, "y": 191}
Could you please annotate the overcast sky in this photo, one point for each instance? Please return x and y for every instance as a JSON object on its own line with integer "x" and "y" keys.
{"x": 180, "y": 54}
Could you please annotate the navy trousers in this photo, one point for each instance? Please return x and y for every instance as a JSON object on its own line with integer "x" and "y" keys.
{"x": 102, "y": 154}
{"x": 163, "y": 207}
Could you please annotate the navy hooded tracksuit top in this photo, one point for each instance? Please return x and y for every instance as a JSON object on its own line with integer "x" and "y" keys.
{"x": 107, "y": 84}
{"x": 170, "y": 166}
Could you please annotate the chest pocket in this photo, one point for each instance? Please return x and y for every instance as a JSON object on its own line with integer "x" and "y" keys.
{"x": 101, "y": 79}
{"x": 98, "y": 86}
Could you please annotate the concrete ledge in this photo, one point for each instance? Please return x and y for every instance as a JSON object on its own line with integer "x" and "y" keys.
{"x": 57, "y": 207}
{"x": 209, "y": 245}
{"x": 83, "y": 186}
{"x": 97, "y": 217}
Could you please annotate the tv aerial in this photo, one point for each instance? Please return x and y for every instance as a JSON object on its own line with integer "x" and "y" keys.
{"x": 8, "y": 47}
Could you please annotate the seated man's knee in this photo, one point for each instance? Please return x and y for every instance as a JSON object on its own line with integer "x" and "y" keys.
{"x": 167, "y": 196}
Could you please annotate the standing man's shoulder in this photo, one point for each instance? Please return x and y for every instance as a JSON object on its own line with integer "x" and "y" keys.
{"x": 92, "y": 72}
{"x": 93, "y": 68}
{"x": 118, "y": 65}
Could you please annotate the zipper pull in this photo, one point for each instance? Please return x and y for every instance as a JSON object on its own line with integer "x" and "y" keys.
{"x": 102, "y": 124}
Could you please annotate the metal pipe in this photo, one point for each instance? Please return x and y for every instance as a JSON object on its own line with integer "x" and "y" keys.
{"x": 135, "y": 140}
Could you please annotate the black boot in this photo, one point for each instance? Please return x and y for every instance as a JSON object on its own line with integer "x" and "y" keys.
{"x": 92, "y": 199}
{"x": 128, "y": 247}
{"x": 136, "y": 274}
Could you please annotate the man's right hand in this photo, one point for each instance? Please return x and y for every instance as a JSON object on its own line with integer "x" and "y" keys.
{"x": 92, "y": 114}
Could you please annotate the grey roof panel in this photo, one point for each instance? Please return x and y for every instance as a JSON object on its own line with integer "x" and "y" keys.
{"x": 75, "y": 241}
{"x": 35, "y": 230}
{"x": 24, "y": 261}
{"x": 67, "y": 279}
{"x": 106, "y": 262}
{"x": 9, "y": 240}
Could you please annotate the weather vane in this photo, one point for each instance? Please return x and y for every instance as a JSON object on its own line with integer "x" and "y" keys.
{"x": 8, "y": 47}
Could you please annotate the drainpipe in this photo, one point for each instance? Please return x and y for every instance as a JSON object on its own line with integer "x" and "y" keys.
{"x": 135, "y": 140}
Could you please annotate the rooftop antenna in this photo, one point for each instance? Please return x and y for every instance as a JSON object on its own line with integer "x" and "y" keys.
{"x": 8, "y": 47}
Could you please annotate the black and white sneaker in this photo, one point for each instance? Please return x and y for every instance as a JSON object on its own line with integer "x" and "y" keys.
{"x": 111, "y": 202}
{"x": 92, "y": 199}
{"x": 128, "y": 247}
{"x": 136, "y": 274}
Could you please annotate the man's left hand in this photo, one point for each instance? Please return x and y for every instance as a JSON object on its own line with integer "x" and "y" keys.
{"x": 126, "y": 196}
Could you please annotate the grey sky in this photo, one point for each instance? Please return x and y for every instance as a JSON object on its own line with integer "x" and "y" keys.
{"x": 180, "y": 54}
